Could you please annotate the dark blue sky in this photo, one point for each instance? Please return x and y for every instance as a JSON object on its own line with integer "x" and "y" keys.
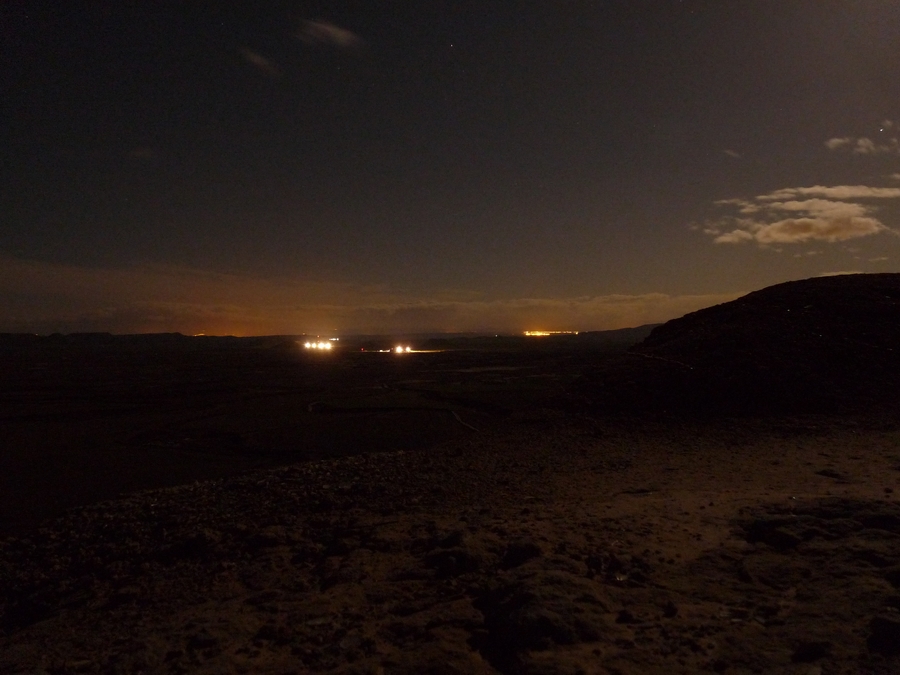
{"x": 382, "y": 166}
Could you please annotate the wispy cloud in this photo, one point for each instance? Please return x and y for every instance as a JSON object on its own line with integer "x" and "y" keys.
{"x": 862, "y": 145}
{"x": 797, "y": 230}
{"x": 326, "y": 33}
{"x": 45, "y": 297}
{"x": 833, "y": 192}
{"x": 801, "y": 214}
{"x": 732, "y": 153}
{"x": 260, "y": 62}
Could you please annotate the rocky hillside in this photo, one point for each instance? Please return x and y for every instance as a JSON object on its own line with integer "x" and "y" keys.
{"x": 818, "y": 345}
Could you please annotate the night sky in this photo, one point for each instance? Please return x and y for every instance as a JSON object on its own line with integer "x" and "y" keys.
{"x": 384, "y": 166}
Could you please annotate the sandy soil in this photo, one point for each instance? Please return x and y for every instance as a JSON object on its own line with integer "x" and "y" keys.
{"x": 551, "y": 544}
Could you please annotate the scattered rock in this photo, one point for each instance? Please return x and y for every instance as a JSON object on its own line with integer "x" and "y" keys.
{"x": 453, "y": 562}
{"x": 518, "y": 553}
{"x": 884, "y": 635}
{"x": 537, "y": 612}
{"x": 202, "y": 640}
{"x": 252, "y": 576}
{"x": 813, "y": 650}
{"x": 626, "y": 616}
{"x": 893, "y": 577}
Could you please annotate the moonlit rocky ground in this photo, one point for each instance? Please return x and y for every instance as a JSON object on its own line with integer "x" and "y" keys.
{"x": 550, "y": 547}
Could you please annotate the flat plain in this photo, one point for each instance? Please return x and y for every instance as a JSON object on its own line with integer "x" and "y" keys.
{"x": 88, "y": 417}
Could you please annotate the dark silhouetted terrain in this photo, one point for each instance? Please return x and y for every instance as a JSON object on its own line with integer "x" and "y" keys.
{"x": 86, "y": 417}
{"x": 819, "y": 345}
{"x": 720, "y": 499}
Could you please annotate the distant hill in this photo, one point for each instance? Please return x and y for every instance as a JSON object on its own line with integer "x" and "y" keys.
{"x": 817, "y": 345}
{"x": 628, "y": 336}
{"x": 110, "y": 343}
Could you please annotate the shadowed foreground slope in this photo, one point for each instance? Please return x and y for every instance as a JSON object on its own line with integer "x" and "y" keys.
{"x": 817, "y": 345}
{"x": 559, "y": 548}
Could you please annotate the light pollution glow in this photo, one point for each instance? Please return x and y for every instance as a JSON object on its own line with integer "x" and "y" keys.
{"x": 545, "y": 333}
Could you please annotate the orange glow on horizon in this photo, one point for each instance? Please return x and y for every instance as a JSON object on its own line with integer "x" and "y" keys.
{"x": 545, "y": 333}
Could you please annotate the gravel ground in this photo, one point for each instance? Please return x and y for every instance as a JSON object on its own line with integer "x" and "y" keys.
{"x": 554, "y": 544}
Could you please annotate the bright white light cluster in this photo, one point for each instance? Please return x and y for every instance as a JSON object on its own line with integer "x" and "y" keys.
{"x": 317, "y": 345}
{"x": 399, "y": 349}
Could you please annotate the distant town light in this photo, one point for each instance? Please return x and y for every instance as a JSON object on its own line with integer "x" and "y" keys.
{"x": 317, "y": 345}
{"x": 545, "y": 333}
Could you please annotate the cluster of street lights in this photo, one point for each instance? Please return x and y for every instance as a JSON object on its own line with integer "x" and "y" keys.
{"x": 323, "y": 345}
{"x": 317, "y": 345}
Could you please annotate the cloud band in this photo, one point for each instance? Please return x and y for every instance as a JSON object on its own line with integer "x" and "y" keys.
{"x": 164, "y": 299}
